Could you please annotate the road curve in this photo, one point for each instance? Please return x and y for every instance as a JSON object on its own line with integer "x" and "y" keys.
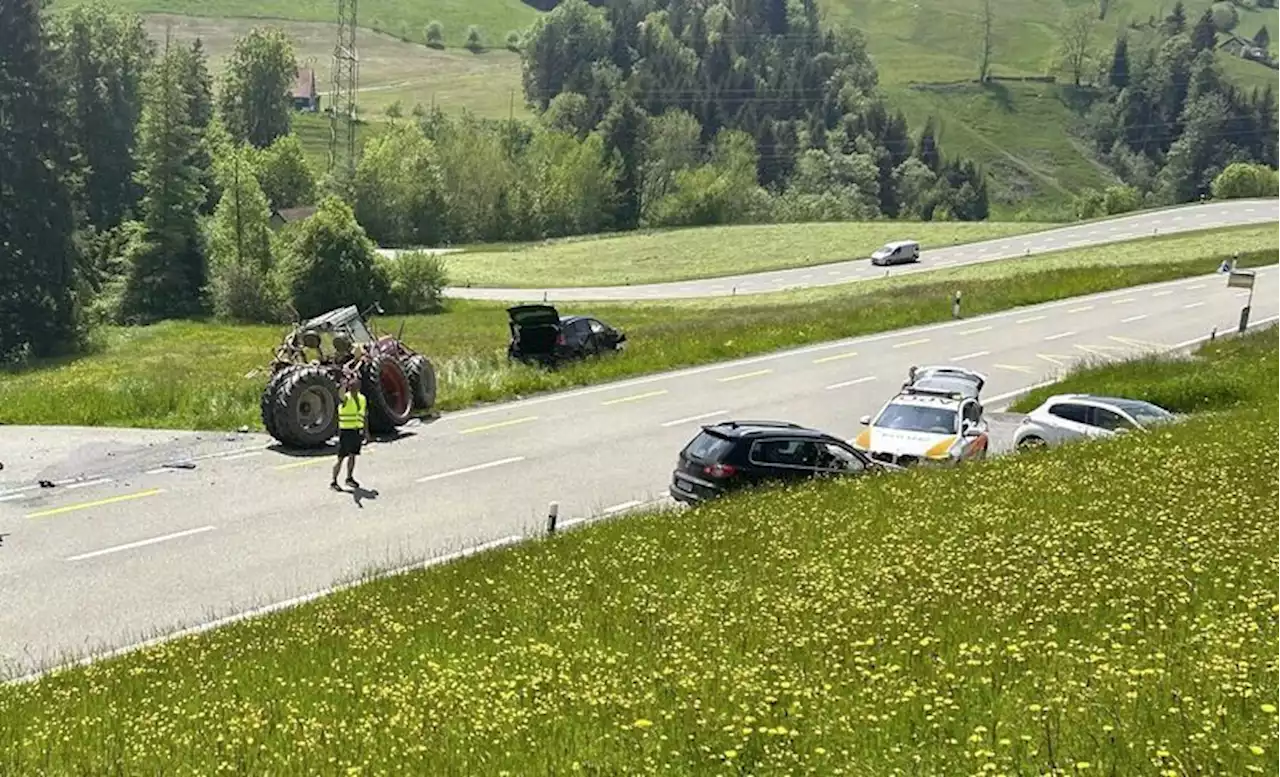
{"x": 124, "y": 547}
{"x": 1188, "y": 218}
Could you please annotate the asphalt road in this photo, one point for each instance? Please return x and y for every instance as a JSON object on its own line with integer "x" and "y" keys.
{"x": 1160, "y": 222}
{"x": 130, "y": 549}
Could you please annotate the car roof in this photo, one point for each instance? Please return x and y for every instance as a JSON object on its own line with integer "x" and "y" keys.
{"x": 947, "y": 383}
{"x": 899, "y": 243}
{"x": 743, "y": 429}
{"x": 1124, "y": 403}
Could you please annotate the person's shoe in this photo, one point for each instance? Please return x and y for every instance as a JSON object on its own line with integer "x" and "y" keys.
{"x": 334, "y": 485}
{"x": 352, "y": 482}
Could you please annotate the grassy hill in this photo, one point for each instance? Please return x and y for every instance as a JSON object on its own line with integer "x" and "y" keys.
{"x": 1022, "y": 132}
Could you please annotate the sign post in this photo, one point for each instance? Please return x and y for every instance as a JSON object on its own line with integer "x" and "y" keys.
{"x": 1242, "y": 279}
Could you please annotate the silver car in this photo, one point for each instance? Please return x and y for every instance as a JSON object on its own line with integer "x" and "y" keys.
{"x": 1066, "y": 417}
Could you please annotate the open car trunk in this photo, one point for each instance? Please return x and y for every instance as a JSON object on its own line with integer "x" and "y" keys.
{"x": 535, "y": 329}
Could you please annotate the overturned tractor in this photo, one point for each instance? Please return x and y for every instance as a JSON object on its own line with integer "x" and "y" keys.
{"x": 299, "y": 404}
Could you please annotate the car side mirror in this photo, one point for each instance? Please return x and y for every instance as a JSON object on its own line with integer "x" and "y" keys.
{"x": 865, "y": 420}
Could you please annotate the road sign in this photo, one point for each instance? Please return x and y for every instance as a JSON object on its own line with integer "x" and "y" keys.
{"x": 1242, "y": 279}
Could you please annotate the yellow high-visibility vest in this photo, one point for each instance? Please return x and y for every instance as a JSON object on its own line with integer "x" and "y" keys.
{"x": 351, "y": 412}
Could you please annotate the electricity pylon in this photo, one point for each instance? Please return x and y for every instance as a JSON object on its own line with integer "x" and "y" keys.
{"x": 342, "y": 100}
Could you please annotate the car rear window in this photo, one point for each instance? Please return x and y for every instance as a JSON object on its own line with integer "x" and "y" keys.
{"x": 708, "y": 447}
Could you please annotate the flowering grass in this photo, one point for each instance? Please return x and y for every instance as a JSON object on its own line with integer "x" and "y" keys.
{"x": 1106, "y": 608}
{"x": 200, "y": 375}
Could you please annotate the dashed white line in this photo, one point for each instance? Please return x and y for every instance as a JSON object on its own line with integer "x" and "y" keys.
{"x": 1131, "y": 319}
{"x": 1190, "y": 305}
{"x": 1194, "y": 286}
{"x": 87, "y": 483}
{"x": 243, "y": 455}
{"x": 699, "y": 417}
{"x": 1122, "y": 301}
{"x": 975, "y": 330}
{"x": 1029, "y": 319}
{"x": 1164, "y": 293}
{"x": 474, "y": 468}
{"x": 1059, "y": 336}
{"x": 141, "y": 543}
{"x": 909, "y": 343}
{"x": 973, "y": 355}
{"x": 1080, "y": 309}
{"x": 853, "y": 382}
{"x": 744, "y": 375}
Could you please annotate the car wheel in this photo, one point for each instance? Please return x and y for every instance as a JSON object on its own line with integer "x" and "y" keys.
{"x": 1031, "y": 442}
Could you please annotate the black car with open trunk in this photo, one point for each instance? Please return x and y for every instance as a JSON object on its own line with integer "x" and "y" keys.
{"x": 540, "y": 335}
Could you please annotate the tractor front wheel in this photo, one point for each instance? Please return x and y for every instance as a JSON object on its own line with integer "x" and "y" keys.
{"x": 306, "y": 407}
{"x": 422, "y": 379}
{"x": 388, "y": 392}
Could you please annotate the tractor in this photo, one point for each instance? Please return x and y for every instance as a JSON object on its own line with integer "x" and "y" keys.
{"x": 299, "y": 403}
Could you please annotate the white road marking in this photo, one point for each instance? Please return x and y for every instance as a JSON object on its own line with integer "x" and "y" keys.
{"x": 1010, "y": 394}
{"x": 909, "y": 343}
{"x": 853, "y": 382}
{"x": 8, "y": 497}
{"x": 973, "y": 355}
{"x": 1122, "y": 301}
{"x": 1059, "y": 336}
{"x": 692, "y": 418}
{"x": 634, "y": 397}
{"x": 1195, "y": 286}
{"x": 1164, "y": 293}
{"x": 243, "y": 455}
{"x": 1131, "y": 319}
{"x": 745, "y": 375}
{"x": 837, "y": 357}
{"x": 1080, "y": 309}
{"x": 975, "y": 330}
{"x": 1190, "y": 305}
{"x": 622, "y": 506}
{"x": 474, "y": 468}
{"x": 140, "y": 543}
{"x": 1029, "y": 319}
{"x": 1014, "y": 367}
{"x": 87, "y": 483}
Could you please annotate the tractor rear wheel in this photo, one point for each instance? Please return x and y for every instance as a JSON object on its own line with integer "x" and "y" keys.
{"x": 422, "y": 379}
{"x": 267, "y": 405}
{"x": 306, "y": 407}
{"x": 388, "y": 392}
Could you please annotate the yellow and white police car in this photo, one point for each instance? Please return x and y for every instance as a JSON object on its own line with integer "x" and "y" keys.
{"x": 927, "y": 425}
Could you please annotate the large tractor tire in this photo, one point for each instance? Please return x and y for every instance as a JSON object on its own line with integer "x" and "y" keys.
{"x": 306, "y": 407}
{"x": 422, "y": 379}
{"x": 267, "y": 404}
{"x": 388, "y": 392}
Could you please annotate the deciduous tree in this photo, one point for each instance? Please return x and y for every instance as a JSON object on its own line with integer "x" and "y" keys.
{"x": 254, "y": 99}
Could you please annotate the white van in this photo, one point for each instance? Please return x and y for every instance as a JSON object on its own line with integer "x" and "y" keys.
{"x": 900, "y": 252}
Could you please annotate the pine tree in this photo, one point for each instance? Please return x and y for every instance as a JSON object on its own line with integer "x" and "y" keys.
{"x": 107, "y": 53}
{"x": 241, "y": 256}
{"x": 166, "y": 274}
{"x": 927, "y": 147}
{"x": 1119, "y": 74}
{"x": 39, "y": 315}
{"x": 1176, "y": 22}
{"x": 198, "y": 86}
{"x": 623, "y": 131}
{"x": 1204, "y": 35}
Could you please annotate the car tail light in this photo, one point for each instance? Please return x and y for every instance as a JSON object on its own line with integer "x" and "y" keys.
{"x": 720, "y": 470}
{"x": 560, "y": 339}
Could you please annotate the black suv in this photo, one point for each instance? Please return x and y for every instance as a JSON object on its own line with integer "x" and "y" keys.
{"x": 736, "y": 454}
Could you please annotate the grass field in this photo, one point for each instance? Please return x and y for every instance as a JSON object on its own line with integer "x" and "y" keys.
{"x": 1103, "y": 609}
{"x": 704, "y": 252}
{"x": 195, "y": 375}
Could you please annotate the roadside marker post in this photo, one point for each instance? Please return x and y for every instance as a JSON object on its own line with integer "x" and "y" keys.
{"x": 553, "y": 512}
{"x": 1242, "y": 279}
{"x": 955, "y": 305}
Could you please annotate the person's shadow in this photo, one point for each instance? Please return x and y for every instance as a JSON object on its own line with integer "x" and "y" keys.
{"x": 360, "y": 493}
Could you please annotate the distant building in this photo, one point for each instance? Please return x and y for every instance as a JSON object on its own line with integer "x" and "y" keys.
{"x": 283, "y": 216}
{"x": 305, "y": 97}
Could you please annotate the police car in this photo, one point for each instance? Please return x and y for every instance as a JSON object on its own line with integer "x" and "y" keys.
{"x": 927, "y": 424}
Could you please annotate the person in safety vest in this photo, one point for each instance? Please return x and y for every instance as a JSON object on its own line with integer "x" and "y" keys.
{"x": 353, "y": 431}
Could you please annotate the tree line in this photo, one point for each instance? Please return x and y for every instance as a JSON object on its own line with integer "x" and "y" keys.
{"x": 1170, "y": 123}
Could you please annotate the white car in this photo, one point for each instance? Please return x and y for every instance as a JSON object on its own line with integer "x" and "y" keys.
{"x": 1066, "y": 417}
{"x": 900, "y": 252}
{"x": 926, "y": 425}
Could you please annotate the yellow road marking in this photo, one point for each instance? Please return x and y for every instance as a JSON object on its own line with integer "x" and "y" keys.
{"x": 1014, "y": 367}
{"x": 837, "y": 357}
{"x": 1136, "y": 343}
{"x": 745, "y": 375}
{"x": 634, "y": 398}
{"x": 911, "y": 342}
{"x": 308, "y": 462}
{"x": 499, "y": 425}
{"x": 96, "y": 503}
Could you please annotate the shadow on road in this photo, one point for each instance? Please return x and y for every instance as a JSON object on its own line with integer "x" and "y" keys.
{"x": 359, "y": 494}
